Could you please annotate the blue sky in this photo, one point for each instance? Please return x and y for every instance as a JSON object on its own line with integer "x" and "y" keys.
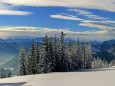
{"x": 87, "y": 19}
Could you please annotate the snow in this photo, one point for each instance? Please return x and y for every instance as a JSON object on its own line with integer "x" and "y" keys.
{"x": 113, "y": 67}
{"x": 99, "y": 77}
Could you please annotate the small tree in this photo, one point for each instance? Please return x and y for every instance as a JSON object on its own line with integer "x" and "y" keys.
{"x": 2, "y": 75}
{"x": 9, "y": 74}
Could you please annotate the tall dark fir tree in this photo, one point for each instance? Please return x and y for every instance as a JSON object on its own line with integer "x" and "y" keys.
{"x": 33, "y": 58}
{"x": 47, "y": 61}
{"x": 22, "y": 61}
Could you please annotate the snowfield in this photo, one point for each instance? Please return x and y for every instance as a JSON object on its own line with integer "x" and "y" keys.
{"x": 98, "y": 77}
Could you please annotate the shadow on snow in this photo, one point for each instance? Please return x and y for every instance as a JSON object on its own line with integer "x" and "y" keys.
{"x": 93, "y": 70}
{"x": 13, "y": 84}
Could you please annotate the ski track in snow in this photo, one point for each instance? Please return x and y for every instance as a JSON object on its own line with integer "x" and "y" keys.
{"x": 99, "y": 77}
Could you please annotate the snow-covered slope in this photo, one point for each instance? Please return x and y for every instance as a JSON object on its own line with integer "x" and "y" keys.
{"x": 100, "y": 77}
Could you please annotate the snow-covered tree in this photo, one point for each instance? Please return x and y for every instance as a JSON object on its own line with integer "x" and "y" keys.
{"x": 56, "y": 55}
{"x": 87, "y": 56}
{"x": 37, "y": 54}
{"x": 9, "y": 74}
{"x": 47, "y": 61}
{"x": 22, "y": 61}
{"x": 63, "y": 58}
{"x": 3, "y": 75}
{"x": 99, "y": 63}
{"x": 33, "y": 58}
{"x": 77, "y": 55}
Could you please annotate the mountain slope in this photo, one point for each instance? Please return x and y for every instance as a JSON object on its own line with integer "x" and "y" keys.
{"x": 12, "y": 64}
{"x": 99, "y": 77}
{"x": 7, "y": 52}
{"x": 108, "y": 44}
{"x": 104, "y": 55}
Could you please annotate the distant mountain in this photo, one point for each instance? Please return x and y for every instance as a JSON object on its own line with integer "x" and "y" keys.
{"x": 12, "y": 64}
{"x": 112, "y": 50}
{"x": 96, "y": 46}
{"x": 104, "y": 55}
{"x": 16, "y": 42}
{"x": 7, "y": 51}
{"x": 69, "y": 40}
{"x": 104, "y": 50}
{"x": 108, "y": 44}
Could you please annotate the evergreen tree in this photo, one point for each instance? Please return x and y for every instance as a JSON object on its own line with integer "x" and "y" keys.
{"x": 84, "y": 56}
{"x": 37, "y": 54}
{"x": 99, "y": 63}
{"x": 63, "y": 59}
{"x": 47, "y": 61}
{"x": 71, "y": 55}
{"x": 87, "y": 56}
{"x": 33, "y": 58}
{"x": 2, "y": 75}
{"x": 57, "y": 62}
{"x": 78, "y": 56}
{"x": 56, "y": 56}
{"x": 22, "y": 61}
{"x": 113, "y": 49}
{"x": 9, "y": 74}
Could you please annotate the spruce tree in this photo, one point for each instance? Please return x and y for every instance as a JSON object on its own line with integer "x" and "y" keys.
{"x": 33, "y": 58}
{"x": 22, "y": 61}
{"x": 56, "y": 54}
{"x": 63, "y": 59}
{"x": 46, "y": 61}
{"x": 87, "y": 56}
{"x": 9, "y": 74}
{"x": 3, "y": 75}
{"x": 78, "y": 56}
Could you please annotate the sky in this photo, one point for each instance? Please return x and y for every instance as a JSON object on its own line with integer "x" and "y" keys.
{"x": 86, "y": 19}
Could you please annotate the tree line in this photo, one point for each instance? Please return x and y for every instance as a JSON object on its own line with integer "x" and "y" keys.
{"x": 55, "y": 55}
{"x": 5, "y": 75}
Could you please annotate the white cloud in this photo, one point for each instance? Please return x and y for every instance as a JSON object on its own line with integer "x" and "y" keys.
{"x": 106, "y": 29}
{"x": 2, "y": 6}
{"x": 81, "y": 12}
{"x": 67, "y": 17}
{"x": 87, "y": 14}
{"x": 27, "y": 31}
{"x": 8, "y": 10}
{"x": 98, "y": 24}
{"x": 108, "y": 5}
{"x": 12, "y": 12}
{"x": 110, "y": 21}
{"x": 103, "y": 24}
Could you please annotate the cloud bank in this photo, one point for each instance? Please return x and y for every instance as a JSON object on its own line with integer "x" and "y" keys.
{"x": 6, "y": 6}
{"x": 87, "y": 14}
{"x": 108, "y": 5}
{"x": 66, "y": 17}
{"x": 25, "y": 31}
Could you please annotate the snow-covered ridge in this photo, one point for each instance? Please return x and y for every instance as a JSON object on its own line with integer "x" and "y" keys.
{"x": 100, "y": 77}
